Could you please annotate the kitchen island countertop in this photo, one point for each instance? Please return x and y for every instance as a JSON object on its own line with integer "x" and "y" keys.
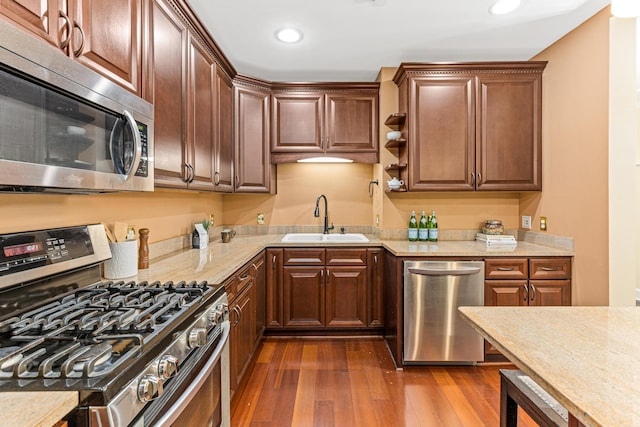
{"x": 36, "y": 408}
{"x": 584, "y": 357}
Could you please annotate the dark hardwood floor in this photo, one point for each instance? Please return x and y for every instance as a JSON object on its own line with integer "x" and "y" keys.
{"x": 353, "y": 382}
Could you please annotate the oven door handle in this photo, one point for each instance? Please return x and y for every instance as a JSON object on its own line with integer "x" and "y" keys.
{"x": 176, "y": 409}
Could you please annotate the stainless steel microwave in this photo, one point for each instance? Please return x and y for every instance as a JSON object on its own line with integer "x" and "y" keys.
{"x": 65, "y": 128}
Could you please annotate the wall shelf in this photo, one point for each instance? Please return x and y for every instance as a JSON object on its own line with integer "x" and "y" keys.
{"x": 395, "y": 143}
{"x": 395, "y": 166}
{"x": 395, "y": 120}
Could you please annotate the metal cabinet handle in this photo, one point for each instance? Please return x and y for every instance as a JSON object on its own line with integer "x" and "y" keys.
{"x": 533, "y": 292}
{"x": 549, "y": 269}
{"x": 479, "y": 177}
{"x": 273, "y": 261}
{"x": 245, "y": 277}
{"x": 375, "y": 259}
{"x": 505, "y": 268}
{"x": 526, "y": 292}
{"x": 238, "y": 315}
{"x": 473, "y": 178}
{"x": 64, "y": 43}
{"x": 78, "y": 51}
{"x": 216, "y": 178}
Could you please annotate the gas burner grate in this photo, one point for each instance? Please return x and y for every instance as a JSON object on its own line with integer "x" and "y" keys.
{"x": 94, "y": 330}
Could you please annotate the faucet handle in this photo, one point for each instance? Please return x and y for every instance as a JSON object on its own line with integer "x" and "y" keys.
{"x": 341, "y": 230}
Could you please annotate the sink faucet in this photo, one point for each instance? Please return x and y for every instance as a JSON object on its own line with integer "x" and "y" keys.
{"x": 316, "y": 213}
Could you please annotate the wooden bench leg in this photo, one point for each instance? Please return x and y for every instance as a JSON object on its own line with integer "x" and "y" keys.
{"x": 508, "y": 406}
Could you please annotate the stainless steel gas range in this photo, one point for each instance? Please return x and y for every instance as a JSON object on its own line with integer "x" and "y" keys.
{"x": 139, "y": 354}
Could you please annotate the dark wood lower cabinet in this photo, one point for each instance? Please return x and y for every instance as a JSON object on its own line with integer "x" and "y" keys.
{"x": 324, "y": 289}
{"x": 303, "y": 294}
{"x": 246, "y": 291}
{"x": 346, "y": 301}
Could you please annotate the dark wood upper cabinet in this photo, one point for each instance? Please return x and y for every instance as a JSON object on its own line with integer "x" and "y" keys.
{"x": 471, "y": 126}
{"x": 223, "y": 138}
{"x": 200, "y": 117}
{"x": 252, "y": 168}
{"x": 107, "y": 38}
{"x": 508, "y": 131}
{"x": 42, "y": 18}
{"x": 102, "y": 35}
{"x": 168, "y": 87}
{"x": 332, "y": 119}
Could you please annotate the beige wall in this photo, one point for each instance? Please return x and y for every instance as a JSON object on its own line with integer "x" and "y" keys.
{"x": 166, "y": 213}
{"x": 575, "y": 153}
{"x": 345, "y": 185}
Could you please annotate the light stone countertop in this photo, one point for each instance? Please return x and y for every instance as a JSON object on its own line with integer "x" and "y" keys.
{"x": 587, "y": 358}
{"x": 36, "y": 408}
{"x": 219, "y": 260}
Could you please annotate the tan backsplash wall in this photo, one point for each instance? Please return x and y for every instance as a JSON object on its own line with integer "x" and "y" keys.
{"x": 166, "y": 213}
{"x": 575, "y": 153}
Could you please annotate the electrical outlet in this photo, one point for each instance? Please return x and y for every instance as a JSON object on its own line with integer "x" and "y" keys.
{"x": 543, "y": 223}
{"x": 211, "y": 218}
{"x": 261, "y": 218}
{"x": 526, "y": 222}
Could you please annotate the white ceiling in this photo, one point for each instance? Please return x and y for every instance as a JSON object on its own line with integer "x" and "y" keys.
{"x": 350, "y": 40}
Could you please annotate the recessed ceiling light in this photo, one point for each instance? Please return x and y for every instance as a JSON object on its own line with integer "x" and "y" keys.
{"x": 289, "y": 35}
{"x": 502, "y": 7}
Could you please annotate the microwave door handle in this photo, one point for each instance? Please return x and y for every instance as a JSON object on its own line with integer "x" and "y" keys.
{"x": 138, "y": 141}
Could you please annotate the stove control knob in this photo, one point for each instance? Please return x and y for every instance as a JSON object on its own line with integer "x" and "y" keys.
{"x": 218, "y": 313}
{"x": 197, "y": 337}
{"x": 167, "y": 366}
{"x": 149, "y": 388}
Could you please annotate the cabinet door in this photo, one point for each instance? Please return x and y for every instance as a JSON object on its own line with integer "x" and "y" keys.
{"x": 106, "y": 38}
{"x": 41, "y": 17}
{"x": 375, "y": 287}
{"x": 296, "y": 121}
{"x": 260, "y": 300}
{"x": 252, "y": 160}
{"x": 241, "y": 336}
{"x": 549, "y": 292}
{"x": 303, "y": 293}
{"x": 352, "y": 122}
{"x": 346, "y": 297}
{"x": 223, "y": 137}
{"x": 508, "y": 126}
{"x": 274, "y": 288}
{"x": 505, "y": 292}
{"x": 200, "y": 118}
{"x": 441, "y": 133}
{"x": 169, "y": 94}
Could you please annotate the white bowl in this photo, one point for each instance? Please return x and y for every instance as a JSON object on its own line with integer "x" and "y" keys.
{"x": 394, "y": 134}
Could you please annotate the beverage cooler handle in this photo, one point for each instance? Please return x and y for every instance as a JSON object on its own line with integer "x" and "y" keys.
{"x": 138, "y": 140}
{"x": 444, "y": 272}
{"x": 185, "y": 398}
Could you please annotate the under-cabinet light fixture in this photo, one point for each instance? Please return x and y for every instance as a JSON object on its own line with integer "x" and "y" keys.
{"x": 289, "y": 35}
{"x": 502, "y": 7}
{"x": 325, "y": 160}
{"x": 625, "y": 8}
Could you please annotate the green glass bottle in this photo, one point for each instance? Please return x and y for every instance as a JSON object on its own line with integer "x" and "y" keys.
{"x": 423, "y": 230}
{"x": 413, "y": 227}
{"x": 433, "y": 227}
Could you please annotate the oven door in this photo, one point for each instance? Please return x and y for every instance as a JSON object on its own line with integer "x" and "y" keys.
{"x": 201, "y": 397}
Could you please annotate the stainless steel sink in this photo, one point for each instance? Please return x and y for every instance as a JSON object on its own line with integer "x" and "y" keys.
{"x": 319, "y": 238}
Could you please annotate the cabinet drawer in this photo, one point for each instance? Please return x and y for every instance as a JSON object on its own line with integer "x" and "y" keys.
{"x": 346, "y": 257}
{"x": 550, "y": 268}
{"x": 506, "y": 268}
{"x": 304, "y": 256}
